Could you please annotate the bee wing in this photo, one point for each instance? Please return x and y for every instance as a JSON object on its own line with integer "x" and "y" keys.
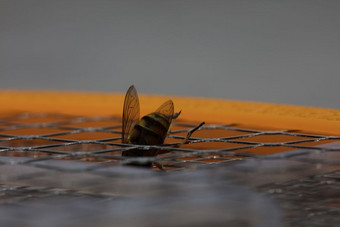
{"x": 130, "y": 112}
{"x": 167, "y": 109}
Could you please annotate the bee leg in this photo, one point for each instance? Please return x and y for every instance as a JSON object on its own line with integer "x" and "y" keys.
{"x": 176, "y": 115}
{"x": 159, "y": 166}
{"x": 186, "y": 140}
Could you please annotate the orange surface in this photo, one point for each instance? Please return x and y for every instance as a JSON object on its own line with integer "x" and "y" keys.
{"x": 318, "y": 120}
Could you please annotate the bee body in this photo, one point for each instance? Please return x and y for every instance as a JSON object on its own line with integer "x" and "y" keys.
{"x": 152, "y": 129}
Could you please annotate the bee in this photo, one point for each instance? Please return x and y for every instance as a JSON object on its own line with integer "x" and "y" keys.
{"x": 152, "y": 129}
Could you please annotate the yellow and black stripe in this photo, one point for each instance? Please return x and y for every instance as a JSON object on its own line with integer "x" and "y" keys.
{"x": 151, "y": 129}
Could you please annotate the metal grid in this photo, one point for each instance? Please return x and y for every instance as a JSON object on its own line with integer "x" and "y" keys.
{"x": 98, "y": 140}
{"x": 46, "y": 158}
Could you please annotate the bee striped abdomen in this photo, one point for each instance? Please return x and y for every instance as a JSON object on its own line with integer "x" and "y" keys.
{"x": 150, "y": 130}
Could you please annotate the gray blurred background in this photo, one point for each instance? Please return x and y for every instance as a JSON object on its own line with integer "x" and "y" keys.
{"x": 270, "y": 51}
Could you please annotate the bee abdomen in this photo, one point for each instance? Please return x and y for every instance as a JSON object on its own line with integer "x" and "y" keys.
{"x": 144, "y": 136}
{"x": 148, "y": 131}
{"x": 156, "y": 122}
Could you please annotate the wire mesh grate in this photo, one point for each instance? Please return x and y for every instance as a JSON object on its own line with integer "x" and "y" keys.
{"x": 57, "y": 157}
{"x": 98, "y": 140}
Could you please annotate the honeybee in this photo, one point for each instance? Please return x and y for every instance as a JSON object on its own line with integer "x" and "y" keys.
{"x": 152, "y": 129}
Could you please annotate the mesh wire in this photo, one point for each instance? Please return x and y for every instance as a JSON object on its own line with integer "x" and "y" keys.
{"x": 293, "y": 167}
{"x": 98, "y": 140}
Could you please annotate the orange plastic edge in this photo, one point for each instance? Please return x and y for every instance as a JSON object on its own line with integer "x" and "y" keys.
{"x": 213, "y": 111}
